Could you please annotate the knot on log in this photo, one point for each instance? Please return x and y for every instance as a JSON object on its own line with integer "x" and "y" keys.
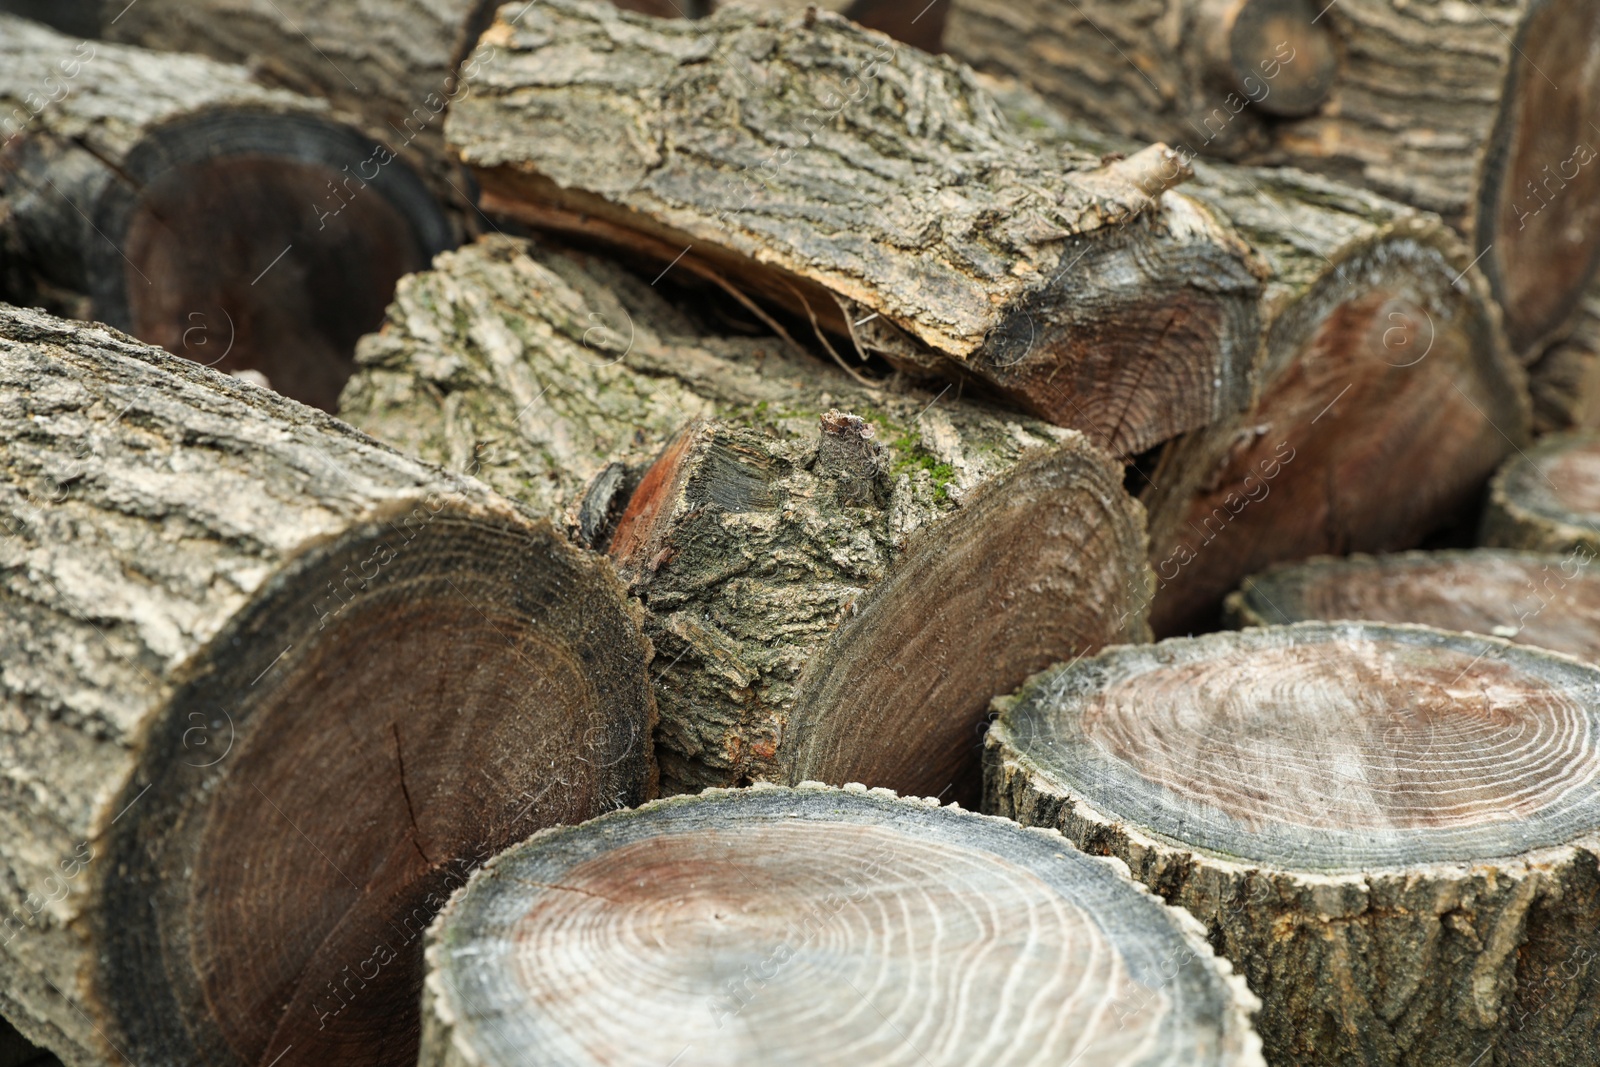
{"x": 850, "y": 458}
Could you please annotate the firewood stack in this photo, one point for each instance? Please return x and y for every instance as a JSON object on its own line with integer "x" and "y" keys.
{"x": 754, "y": 441}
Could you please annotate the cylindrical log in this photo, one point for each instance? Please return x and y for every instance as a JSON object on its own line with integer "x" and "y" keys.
{"x": 1547, "y": 499}
{"x": 173, "y": 197}
{"x": 1565, "y": 382}
{"x": 815, "y": 925}
{"x": 270, "y": 692}
{"x": 875, "y": 193}
{"x": 1385, "y": 394}
{"x": 838, "y": 579}
{"x": 1481, "y": 113}
{"x": 1392, "y": 831}
{"x": 1548, "y": 600}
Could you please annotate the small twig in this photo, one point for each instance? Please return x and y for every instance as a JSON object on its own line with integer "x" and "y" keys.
{"x": 817, "y": 329}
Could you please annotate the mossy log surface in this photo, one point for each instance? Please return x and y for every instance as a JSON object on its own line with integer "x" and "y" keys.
{"x": 838, "y": 578}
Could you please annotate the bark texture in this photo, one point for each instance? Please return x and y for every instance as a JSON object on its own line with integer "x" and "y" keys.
{"x": 1545, "y": 599}
{"x": 847, "y": 902}
{"x": 1547, "y": 499}
{"x": 875, "y": 193}
{"x": 838, "y": 578}
{"x": 1318, "y": 797}
{"x": 1479, "y": 113}
{"x": 173, "y": 197}
{"x": 1385, "y": 395}
{"x": 242, "y": 765}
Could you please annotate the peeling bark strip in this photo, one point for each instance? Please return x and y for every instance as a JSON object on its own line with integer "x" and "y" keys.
{"x": 838, "y": 579}
{"x": 243, "y": 765}
{"x": 1480, "y": 113}
{"x": 1390, "y": 830}
{"x": 1550, "y": 600}
{"x": 875, "y": 192}
{"x": 815, "y": 925}
{"x": 1385, "y": 393}
{"x": 1548, "y": 498}
{"x": 173, "y": 197}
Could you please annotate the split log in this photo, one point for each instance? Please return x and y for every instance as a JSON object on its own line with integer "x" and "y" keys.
{"x": 1480, "y": 114}
{"x": 876, "y": 193}
{"x": 271, "y": 691}
{"x": 814, "y": 925}
{"x": 838, "y": 579}
{"x": 1390, "y": 830}
{"x": 172, "y": 197}
{"x": 1547, "y": 600}
{"x": 1548, "y": 498}
{"x": 1385, "y": 393}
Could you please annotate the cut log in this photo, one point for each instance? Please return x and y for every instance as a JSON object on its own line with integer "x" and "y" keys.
{"x": 838, "y": 578}
{"x": 1390, "y": 830}
{"x": 1480, "y": 114}
{"x": 172, "y": 197}
{"x": 271, "y": 690}
{"x": 1565, "y": 382}
{"x": 1548, "y": 600}
{"x": 875, "y": 193}
{"x": 1547, "y": 499}
{"x": 813, "y": 925}
{"x": 1385, "y": 393}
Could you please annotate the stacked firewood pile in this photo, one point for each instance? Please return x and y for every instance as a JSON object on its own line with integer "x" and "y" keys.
{"x": 529, "y": 535}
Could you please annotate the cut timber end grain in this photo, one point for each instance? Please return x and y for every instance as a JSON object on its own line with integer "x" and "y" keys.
{"x": 1391, "y": 830}
{"x": 819, "y": 926}
{"x": 1385, "y": 395}
{"x": 875, "y": 191}
{"x": 1482, "y": 114}
{"x": 1547, "y": 499}
{"x": 1552, "y": 601}
{"x": 838, "y": 579}
{"x": 173, "y": 197}
{"x": 271, "y": 691}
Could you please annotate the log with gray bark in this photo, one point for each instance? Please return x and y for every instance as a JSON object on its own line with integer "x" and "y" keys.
{"x": 1547, "y": 499}
{"x": 173, "y": 197}
{"x": 876, "y": 196}
{"x": 271, "y": 691}
{"x": 1551, "y": 600}
{"x": 1480, "y": 113}
{"x": 1390, "y": 830}
{"x": 813, "y": 925}
{"x": 1385, "y": 395}
{"x": 838, "y": 578}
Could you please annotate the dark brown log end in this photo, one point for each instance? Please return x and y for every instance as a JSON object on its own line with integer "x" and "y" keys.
{"x": 411, "y": 700}
{"x": 1539, "y": 203}
{"x": 792, "y": 927}
{"x": 1016, "y": 580}
{"x": 261, "y": 242}
{"x": 1282, "y": 55}
{"x": 1386, "y": 344}
{"x": 1548, "y": 600}
{"x": 919, "y": 24}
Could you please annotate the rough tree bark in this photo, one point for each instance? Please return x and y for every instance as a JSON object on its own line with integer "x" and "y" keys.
{"x": 1385, "y": 394}
{"x": 271, "y": 690}
{"x": 1548, "y": 600}
{"x": 1547, "y": 499}
{"x": 1480, "y": 113}
{"x": 875, "y": 193}
{"x": 823, "y": 926}
{"x": 837, "y": 578}
{"x": 172, "y": 197}
{"x": 1387, "y": 829}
